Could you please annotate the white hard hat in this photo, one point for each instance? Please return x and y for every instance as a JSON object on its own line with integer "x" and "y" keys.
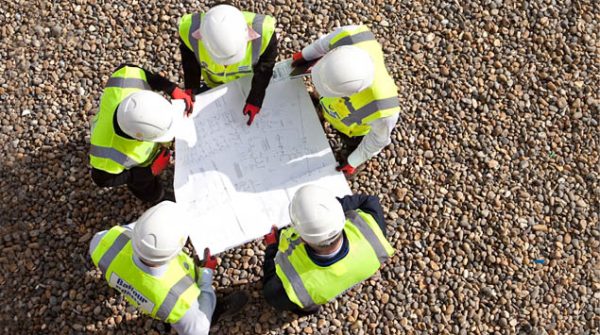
{"x": 316, "y": 214}
{"x": 147, "y": 116}
{"x": 225, "y": 34}
{"x": 342, "y": 72}
{"x": 160, "y": 233}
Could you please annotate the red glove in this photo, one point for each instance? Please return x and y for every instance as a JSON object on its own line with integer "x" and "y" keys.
{"x": 271, "y": 237}
{"x": 161, "y": 162}
{"x": 297, "y": 59}
{"x": 251, "y": 111}
{"x": 210, "y": 261}
{"x": 186, "y": 96}
{"x": 347, "y": 169}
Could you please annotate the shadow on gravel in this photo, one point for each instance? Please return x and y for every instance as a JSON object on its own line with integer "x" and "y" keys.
{"x": 256, "y": 314}
{"x": 49, "y": 211}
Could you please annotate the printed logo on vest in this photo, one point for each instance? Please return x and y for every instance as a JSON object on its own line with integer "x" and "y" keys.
{"x": 125, "y": 288}
{"x": 331, "y": 111}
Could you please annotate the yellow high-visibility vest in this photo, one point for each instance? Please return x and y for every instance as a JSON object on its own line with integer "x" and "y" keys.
{"x": 166, "y": 298}
{"x": 308, "y": 285}
{"x": 352, "y": 115}
{"x": 110, "y": 152}
{"x": 216, "y": 74}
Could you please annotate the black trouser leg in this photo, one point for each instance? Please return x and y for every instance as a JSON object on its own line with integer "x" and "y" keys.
{"x": 145, "y": 186}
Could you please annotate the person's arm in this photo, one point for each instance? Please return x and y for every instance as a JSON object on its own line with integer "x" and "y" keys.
{"x": 374, "y": 141}
{"x": 269, "y": 263}
{"x": 159, "y": 83}
{"x": 197, "y": 318}
{"x": 320, "y": 47}
{"x": 191, "y": 67}
{"x": 366, "y": 203}
{"x": 263, "y": 71}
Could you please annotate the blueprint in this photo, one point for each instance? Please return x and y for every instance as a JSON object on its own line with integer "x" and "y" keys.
{"x": 236, "y": 181}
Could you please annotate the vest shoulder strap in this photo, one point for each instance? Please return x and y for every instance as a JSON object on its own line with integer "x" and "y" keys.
{"x": 282, "y": 259}
{"x": 106, "y": 257}
{"x": 351, "y": 37}
{"x": 367, "y": 231}
{"x": 175, "y": 293}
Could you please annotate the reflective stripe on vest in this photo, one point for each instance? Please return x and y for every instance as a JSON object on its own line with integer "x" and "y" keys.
{"x": 353, "y": 39}
{"x": 175, "y": 292}
{"x": 292, "y": 263}
{"x": 357, "y": 115}
{"x": 127, "y": 83}
{"x": 284, "y": 262}
{"x": 196, "y": 20}
{"x": 369, "y": 235}
{"x": 257, "y": 26}
{"x": 113, "y": 154}
{"x": 113, "y": 251}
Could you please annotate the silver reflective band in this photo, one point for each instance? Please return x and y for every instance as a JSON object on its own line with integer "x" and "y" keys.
{"x": 173, "y": 296}
{"x": 196, "y": 19}
{"x": 114, "y": 155}
{"x": 112, "y": 252}
{"x": 353, "y": 39}
{"x": 369, "y": 235}
{"x": 292, "y": 246}
{"x": 127, "y": 83}
{"x": 294, "y": 279}
{"x": 257, "y": 25}
{"x": 357, "y": 115}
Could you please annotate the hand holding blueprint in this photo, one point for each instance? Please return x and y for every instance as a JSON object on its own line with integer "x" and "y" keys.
{"x": 236, "y": 181}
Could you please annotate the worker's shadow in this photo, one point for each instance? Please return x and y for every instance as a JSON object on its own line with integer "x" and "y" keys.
{"x": 50, "y": 211}
{"x": 258, "y": 317}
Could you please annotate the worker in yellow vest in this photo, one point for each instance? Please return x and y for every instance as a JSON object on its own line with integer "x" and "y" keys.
{"x": 131, "y": 130}
{"x": 225, "y": 44}
{"x": 358, "y": 95}
{"x": 332, "y": 245}
{"x": 144, "y": 261}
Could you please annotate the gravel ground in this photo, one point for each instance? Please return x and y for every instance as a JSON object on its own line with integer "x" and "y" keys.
{"x": 490, "y": 187}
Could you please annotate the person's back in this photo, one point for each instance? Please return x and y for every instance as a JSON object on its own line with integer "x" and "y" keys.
{"x": 330, "y": 247}
{"x": 145, "y": 262}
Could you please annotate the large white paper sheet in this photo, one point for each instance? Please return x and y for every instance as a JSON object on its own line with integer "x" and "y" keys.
{"x": 236, "y": 181}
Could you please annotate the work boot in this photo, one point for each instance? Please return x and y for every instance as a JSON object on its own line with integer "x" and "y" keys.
{"x": 229, "y": 305}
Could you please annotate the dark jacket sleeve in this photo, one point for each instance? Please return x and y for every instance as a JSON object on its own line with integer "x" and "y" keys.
{"x": 105, "y": 179}
{"x": 368, "y": 204}
{"x": 156, "y": 81}
{"x": 263, "y": 71}
{"x": 191, "y": 67}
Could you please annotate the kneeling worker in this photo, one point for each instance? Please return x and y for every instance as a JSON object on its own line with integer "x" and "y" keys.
{"x": 358, "y": 96}
{"x": 128, "y": 131}
{"x": 225, "y": 44}
{"x": 332, "y": 245}
{"x": 145, "y": 262}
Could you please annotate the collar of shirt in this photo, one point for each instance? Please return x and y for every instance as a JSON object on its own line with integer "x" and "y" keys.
{"x": 153, "y": 271}
{"x": 327, "y": 260}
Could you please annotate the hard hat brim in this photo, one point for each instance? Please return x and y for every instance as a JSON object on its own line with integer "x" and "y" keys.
{"x": 178, "y": 107}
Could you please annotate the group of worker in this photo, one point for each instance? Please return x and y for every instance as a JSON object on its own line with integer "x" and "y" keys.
{"x": 332, "y": 243}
